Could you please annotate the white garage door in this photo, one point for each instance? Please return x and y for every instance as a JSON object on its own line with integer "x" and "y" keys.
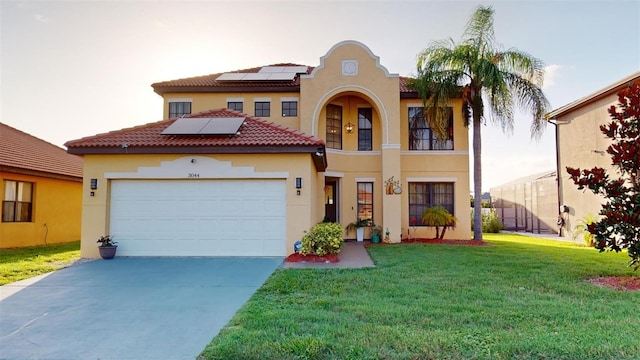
{"x": 199, "y": 217}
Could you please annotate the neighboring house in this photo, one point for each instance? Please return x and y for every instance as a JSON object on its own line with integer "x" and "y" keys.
{"x": 41, "y": 191}
{"x": 581, "y": 144}
{"x": 284, "y": 147}
{"x": 528, "y": 204}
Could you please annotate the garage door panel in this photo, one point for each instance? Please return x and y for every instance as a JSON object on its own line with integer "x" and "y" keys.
{"x": 199, "y": 218}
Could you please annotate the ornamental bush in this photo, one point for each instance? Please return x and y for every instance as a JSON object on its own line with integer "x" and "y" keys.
{"x": 618, "y": 226}
{"x": 323, "y": 239}
{"x": 491, "y": 223}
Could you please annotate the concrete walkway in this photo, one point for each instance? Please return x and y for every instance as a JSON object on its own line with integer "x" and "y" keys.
{"x": 353, "y": 255}
{"x": 128, "y": 308}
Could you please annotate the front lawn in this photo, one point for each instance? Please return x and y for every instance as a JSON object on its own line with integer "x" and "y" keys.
{"x": 22, "y": 263}
{"x": 518, "y": 298}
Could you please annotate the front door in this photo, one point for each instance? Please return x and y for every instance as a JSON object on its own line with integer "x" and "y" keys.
{"x": 330, "y": 200}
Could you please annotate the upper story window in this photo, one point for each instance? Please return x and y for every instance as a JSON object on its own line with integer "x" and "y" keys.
{"x": 421, "y": 137}
{"x": 179, "y": 108}
{"x": 365, "y": 131}
{"x": 289, "y": 108}
{"x": 263, "y": 108}
{"x": 234, "y": 105}
{"x": 334, "y": 126}
{"x": 423, "y": 195}
{"x": 17, "y": 201}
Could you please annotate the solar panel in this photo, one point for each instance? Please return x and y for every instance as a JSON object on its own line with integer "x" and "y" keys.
{"x": 185, "y": 126}
{"x": 282, "y": 76}
{"x": 204, "y": 126}
{"x": 222, "y": 126}
{"x": 231, "y": 77}
{"x": 284, "y": 69}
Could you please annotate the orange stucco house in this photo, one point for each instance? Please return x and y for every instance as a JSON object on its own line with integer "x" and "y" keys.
{"x": 41, "y": 191}
{"x": 246, "y": 161}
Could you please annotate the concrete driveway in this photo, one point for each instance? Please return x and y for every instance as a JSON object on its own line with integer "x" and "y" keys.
{"x": 128, "y": 308}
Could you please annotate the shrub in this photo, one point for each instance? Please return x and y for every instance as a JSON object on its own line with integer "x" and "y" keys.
{"x": 439, "y": 217}
{"x": 491, "y": 223}
{"x": 324, "y": 238}
{"x": 582, "y": 230}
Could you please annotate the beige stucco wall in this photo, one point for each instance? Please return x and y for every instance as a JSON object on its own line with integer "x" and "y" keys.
{"x": 207, "y": 101}
{"x": 56, "y": 211}
{"x": 300, "y": 214}
{"x": 581, "y": 145}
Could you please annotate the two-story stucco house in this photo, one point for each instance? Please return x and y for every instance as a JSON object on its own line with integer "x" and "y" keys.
{"x": 246, "y": 161}
{"x": 581, "y": 144}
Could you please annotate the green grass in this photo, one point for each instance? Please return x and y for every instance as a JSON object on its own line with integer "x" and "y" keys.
{"x": 519, "y": 298}
{"x": 22, "y": 263}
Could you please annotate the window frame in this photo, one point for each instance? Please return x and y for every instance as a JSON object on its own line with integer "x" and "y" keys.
{"x": 262, "y": 108}
{"x": 233, "y": 105}
{"x": 364, "y": 188}
{"x": 289, "y": 110}
{"x": 333, "y": 127}
{"x": 365, "y": 134}
{"x": 15, "y": 210}
{"x": 425, "y": 139}
{"x": 180, "y": 111}
{"x": 431, "y": 197}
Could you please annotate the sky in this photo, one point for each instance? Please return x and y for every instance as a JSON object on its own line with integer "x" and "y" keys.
{"x": 70, "y": 69}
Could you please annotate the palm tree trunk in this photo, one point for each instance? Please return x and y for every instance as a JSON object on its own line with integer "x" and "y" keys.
{"x": 477, "y": 177}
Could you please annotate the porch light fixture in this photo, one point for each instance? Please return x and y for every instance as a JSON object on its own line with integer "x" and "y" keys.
{"x": 348, "y": 128}
{"x": 94, "y": 184}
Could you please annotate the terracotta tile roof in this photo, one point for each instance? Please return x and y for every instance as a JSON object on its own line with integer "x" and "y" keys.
{"x": 404, "y": 85}
{"x": 20, "y": 150}
{"x": 254, "y": 133}
{"x": 209, "y": 82}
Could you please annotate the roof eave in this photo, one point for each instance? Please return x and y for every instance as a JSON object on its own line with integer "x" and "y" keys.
{"x": 591, "y": 98}
{"x": 161, "y": 90}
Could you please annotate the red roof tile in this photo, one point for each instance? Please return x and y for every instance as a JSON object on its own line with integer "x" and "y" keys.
{"x": 23, "y": 151}
{"x": 209, "y": 81}
{"x": 254, "y": 133}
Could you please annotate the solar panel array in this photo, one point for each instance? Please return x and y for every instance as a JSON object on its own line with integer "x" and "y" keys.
{"x": 204, "y": 126}
{"x": 267, "y": 73}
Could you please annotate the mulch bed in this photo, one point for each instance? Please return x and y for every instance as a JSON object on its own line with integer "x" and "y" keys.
{"x": 297, "y": 257}
{"x": 626, "y": 283}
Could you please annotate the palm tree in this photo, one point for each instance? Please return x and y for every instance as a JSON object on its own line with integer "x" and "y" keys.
{"x": 480, "y": 73}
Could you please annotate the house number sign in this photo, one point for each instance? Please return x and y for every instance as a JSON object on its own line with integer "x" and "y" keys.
{"x": 193, "y": 175}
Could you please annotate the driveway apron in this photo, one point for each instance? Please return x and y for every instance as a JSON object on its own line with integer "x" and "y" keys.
{"x": 129, "y": 308}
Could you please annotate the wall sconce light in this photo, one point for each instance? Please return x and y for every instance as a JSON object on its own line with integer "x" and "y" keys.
{"x": 348, "y": 128}
{"x": 298, "y": 185}
{"x": 94, "y": 184}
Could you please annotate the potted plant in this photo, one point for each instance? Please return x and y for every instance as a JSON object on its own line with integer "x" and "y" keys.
{"x": 359, "y": 226}
{"x": 107, "y": 247}
{"x": 376, "y": 232}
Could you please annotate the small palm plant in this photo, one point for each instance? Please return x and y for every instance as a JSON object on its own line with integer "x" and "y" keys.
{"x": 438, "y": 217}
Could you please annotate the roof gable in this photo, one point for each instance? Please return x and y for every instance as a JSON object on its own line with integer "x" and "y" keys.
{"x": 21, "y": 151}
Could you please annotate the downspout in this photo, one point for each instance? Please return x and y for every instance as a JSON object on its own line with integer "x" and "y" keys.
{"x": 559, "y": 199}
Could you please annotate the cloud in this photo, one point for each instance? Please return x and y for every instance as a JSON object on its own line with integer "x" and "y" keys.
{"x": 41, "y": 18}
{"x": 550, "y": 75}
